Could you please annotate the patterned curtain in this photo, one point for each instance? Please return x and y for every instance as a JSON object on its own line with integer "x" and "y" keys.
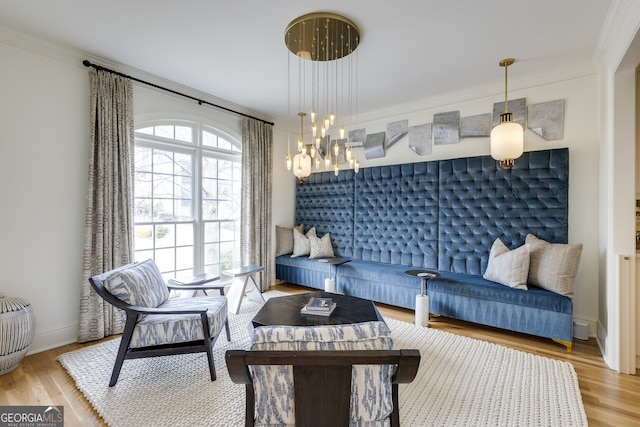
{"x": 255, "y": 208}
{"x": 108, "y": 221}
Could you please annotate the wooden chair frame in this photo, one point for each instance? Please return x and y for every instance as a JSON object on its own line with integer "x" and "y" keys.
{"x": 322, "y": 380}
{"x": 133, "y": 314}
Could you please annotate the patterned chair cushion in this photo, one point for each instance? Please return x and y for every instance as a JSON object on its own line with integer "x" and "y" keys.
{"x": 171, "y": 329}
{"x": 371, "y": 401}
{"x": 141, "y": 284}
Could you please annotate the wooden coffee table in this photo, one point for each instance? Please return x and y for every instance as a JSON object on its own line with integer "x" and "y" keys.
{"x": 285, "y": 311}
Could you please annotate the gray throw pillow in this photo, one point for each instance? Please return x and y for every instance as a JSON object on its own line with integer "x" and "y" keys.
{"x": 553, "y": 265}
{"x": 284, "y": 239}
{"x": 320, "y": 247}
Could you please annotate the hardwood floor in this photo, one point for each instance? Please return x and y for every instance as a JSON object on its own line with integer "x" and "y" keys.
{"x": 610, "y": 399}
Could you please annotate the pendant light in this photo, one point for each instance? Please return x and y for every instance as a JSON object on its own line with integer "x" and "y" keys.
{"x": 507, "y": 138}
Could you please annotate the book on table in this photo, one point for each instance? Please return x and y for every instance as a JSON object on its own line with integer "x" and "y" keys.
{"x": 326, "y": 313}
{"x": 319, "y": 306}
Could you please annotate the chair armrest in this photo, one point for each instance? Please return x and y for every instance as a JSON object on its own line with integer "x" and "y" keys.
{"x": 160, "y": 310}
{"x": 193, "y": 287}
{"x": 407, "y": 367}
{"x": 238, "y": 369}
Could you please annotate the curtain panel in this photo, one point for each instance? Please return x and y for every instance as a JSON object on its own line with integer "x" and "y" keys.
{"x": 255, "y": 209}
{"x": 108, "y": 221}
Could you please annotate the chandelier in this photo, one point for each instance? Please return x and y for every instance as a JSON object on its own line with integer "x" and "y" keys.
{"x": 326, "y": 89}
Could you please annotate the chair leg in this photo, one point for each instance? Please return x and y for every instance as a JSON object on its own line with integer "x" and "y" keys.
{"x": 129, "y": 326}
{"x": 226, "y": 326}
{"x": 208, "y": 345}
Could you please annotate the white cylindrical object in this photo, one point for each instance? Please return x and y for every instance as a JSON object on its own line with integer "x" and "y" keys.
{"x": 330, "y": 285}
{"x": 422, "y": 310}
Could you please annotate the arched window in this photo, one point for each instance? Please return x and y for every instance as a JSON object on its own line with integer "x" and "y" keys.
{"x": 186, "y": 197}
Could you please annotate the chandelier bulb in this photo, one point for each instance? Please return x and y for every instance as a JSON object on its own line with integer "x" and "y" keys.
{"x": 332, "y": 118}
{"x": 327, "y": 122}
{"x": 336, "y": 169}
{"x": 323, "y": 131}
{"x": 313, "y": 151}
{"x": 313, "y": 116}
{"x": 341, "y": 132}
{"x": 356, "y": 166}
{"x": 347, "y": 154}
{"x": 336, "y": 149}
{"x": 317, "y": 163}
{"x": 288, "y": 162}
{"x": 327, "y": 162}
{"x": 318, "y": 142}
{"x": 314, "y": 129}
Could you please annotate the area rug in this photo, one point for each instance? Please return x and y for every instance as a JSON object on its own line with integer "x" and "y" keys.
{"x": 460, "y": 382}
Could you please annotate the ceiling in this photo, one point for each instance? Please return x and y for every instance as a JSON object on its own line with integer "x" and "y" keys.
{"x": 410, "y": 51}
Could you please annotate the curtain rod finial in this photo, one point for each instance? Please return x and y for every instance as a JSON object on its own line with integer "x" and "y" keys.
{"x": 86, "y": 63}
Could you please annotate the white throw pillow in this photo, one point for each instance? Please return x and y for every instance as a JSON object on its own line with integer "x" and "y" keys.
{"x": 284, "y": 239}
{"x": 553, "y": 265}
{"x": 509, "y": 268}
{"x": 321, "y": 247}
{"x": 301, "y": 246}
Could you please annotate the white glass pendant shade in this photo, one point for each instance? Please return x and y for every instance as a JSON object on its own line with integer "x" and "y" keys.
{"x": 507, "y": 141}
{"x": 301, "y": 165}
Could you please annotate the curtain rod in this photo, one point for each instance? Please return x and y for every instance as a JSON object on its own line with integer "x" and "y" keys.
{"x": 86, "y": 63}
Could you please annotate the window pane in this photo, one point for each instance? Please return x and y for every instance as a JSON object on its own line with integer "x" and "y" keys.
{"x": 147, "y": 131}
{"x": 211, "y": 253}
{"x": 162, "y": 161}
{"x": 183, "y": 210}
{"x": 209, "y": 139}
{"x": 165, "y": 235}
{"x": 140, "y": 256}
{"x": 225, "y": 210}
{"x": 225, "y": 190}
{"x": 225, "y": 169}
{"x": 184, "y": 133}
{"x": 209, "y": 188}
{"x": 211, "y": 232}
{"x": 227, "y": 231}
{"x": 142, "y": 210}
{"x": 164, "y": 131}
{"x": 209, "y": 209}
{"x": 165, "y": 258}
{"x": 209, "y": 167}
{"x": 184, "y": 234}
{"x": 184, "y": 257}
{"x": 223, "y": 143}
{"x": 142, "y": 184}
{"x": 163, "y": 186}
{"x": 183, "y": 164}
{"x": 143, "y": 157}
{"x": 142, "y": 237}
{"x": 182, "y": 189}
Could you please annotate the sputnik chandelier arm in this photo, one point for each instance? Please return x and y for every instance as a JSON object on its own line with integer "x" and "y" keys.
{"x": 322, "y": 41}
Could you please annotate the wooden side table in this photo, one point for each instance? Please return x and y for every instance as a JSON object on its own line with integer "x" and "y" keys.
{"x": 238, "y": 288}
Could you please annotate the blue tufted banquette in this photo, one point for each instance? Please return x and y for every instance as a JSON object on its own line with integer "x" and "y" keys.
{"x": 442, "y": 215}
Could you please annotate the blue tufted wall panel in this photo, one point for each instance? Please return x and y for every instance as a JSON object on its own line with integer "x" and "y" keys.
{"x": 480, "y": 202}
{"x": 325, "y": 202}
{"x": 396, "y": 214}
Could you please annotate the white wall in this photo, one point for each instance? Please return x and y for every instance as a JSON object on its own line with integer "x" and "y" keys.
{"x": 43, "y": 174}
{"x": 580, "y": 136}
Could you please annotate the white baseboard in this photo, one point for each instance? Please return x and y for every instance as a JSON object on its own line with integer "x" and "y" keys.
{"x": 52, "y": 338}
{"x": 601, "y": 339}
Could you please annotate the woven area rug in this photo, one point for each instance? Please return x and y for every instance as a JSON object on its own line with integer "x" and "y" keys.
{"x": 461, "y": 382}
